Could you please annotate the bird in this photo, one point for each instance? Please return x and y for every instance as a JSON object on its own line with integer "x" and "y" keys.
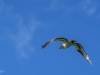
{"x": 66, "y": 44}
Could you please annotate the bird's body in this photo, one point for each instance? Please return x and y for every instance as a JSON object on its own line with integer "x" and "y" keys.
{"x": 66, "y": 44}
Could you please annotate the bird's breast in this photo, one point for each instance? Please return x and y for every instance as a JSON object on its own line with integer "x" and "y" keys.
{"x": 66, "y": 45}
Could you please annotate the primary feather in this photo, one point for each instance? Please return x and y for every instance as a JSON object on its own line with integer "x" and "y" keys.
{"x": 81, "y": 50}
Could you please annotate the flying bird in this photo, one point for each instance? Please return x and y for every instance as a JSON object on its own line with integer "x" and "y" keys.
{"x": 66, "y": 43}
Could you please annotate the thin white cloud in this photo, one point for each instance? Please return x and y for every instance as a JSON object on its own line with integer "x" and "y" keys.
{"x": 23, "y": 38}
{"x": 53, "y": 6}
{"x": 21, "y": 34}
{"x": 2, "y": 71}
{"x": 56, "y": 6}
{"x": 89, "y": 7}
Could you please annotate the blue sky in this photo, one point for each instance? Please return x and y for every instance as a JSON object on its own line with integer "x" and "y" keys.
{"x": 25, "y": 25}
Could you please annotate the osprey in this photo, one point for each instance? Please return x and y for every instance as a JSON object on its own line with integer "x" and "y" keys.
{"x": 66, "y": 44}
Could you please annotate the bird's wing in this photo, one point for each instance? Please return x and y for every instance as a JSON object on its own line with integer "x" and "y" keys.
{"x": 80, "y": 49}
{"x": 63, "y": 40}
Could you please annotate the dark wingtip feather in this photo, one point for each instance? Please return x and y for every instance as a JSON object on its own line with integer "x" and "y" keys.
{"x": 45, "y": 44}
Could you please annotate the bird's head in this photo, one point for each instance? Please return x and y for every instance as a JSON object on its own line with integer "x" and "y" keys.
{"x": 73, "y": 41}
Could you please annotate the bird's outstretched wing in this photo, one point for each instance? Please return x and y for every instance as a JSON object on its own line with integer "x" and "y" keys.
{"x": 63, "y": 40}
{"x": 80, "y": 49}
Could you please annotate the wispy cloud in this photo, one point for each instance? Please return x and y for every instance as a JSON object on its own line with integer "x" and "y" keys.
{"x": 23, "y": 38}
{"x": 20, "y": 32}
{"x": 53, "y": 6}
{"x": 56, "y": 6}
{"x": 89, "y": 7}
{"x": 2, "y": 71}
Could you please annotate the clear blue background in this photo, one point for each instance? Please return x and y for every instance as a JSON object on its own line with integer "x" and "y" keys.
{"x": 25, "y": 25}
